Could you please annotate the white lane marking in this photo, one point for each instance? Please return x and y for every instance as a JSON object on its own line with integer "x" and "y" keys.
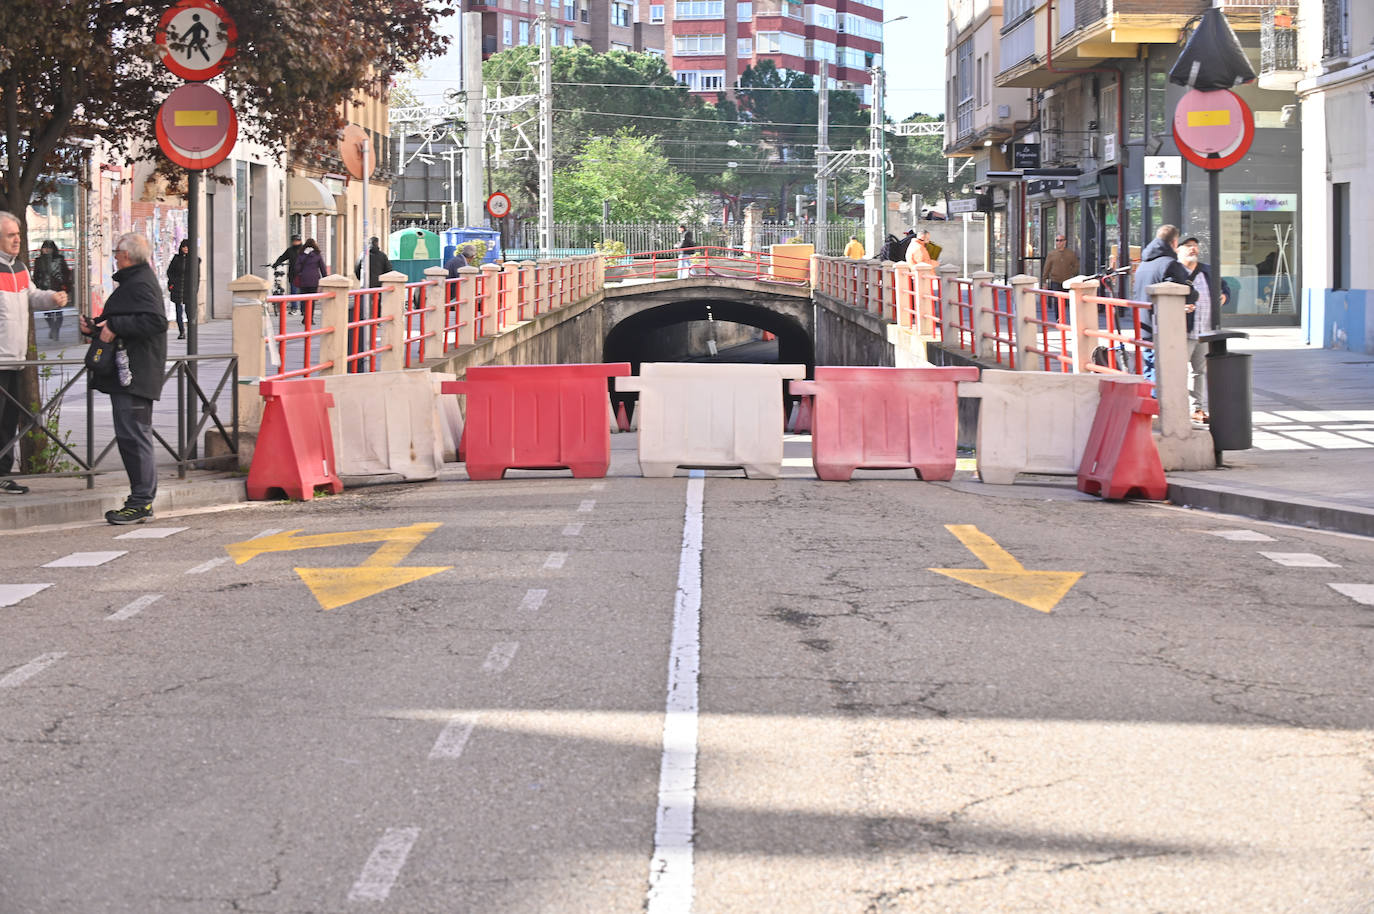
{"x": 454, "y": 737}
{"x": 271, "y": 531}
{"x": 586, "y": 506}
{"x": 134, "y": 608}
{"x": 30, "y": 669}
{"x": 598, "y": 486}
{"x": 534, "y": 598}
{"x": 11, "y": 594}
{"x": 1242, "y": 536}
{"x": 208, "y": 566}
{"x": 1360, "y": 593}
{"x": 671, "y": 871}
{"x": 555, "y": 560}
{"x": 151, "y": 533}
{"x": 384, "y": 865}
{"x": 1299, "y": 560}
{"x": 572, "y": 530}
{"x": 84, "y": 559}
{"x": 500, "y": 656}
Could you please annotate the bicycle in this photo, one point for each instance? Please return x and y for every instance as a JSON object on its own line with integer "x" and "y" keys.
{"x": 1110, "y": 283}
{"x": 278, "y": 284}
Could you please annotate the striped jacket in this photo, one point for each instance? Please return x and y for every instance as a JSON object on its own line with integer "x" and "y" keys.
{"x": 18, "y": 297}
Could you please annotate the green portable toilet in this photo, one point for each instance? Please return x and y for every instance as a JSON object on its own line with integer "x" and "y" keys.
{"x": 412, "y": 250}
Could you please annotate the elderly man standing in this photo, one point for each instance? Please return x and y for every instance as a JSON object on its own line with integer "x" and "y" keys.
{"x": 19, "y": 298}
{"x": 1061, "y": 265}
{"x": 134, "y": 314}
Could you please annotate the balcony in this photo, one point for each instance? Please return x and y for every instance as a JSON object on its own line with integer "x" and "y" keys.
{"x": 1335, "y": 29}
{"x": 1279, "y": 70}
{"x": 1019, "y": 44}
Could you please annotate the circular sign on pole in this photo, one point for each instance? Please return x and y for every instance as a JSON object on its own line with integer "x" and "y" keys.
{"x": 498, "y": 204}
{"x": 1213, "y": 130}
{"x": 352, "y": 145}
{"x": 196, "y": 127}
{"x": 194, "y": 26}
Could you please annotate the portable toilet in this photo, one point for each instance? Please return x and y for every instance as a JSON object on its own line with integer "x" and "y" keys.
{"x": 456, "y": 236}
{"x": 412, "y": 250}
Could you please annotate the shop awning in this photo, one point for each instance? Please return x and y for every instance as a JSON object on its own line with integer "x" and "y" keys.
{"x": 307, "y": 195}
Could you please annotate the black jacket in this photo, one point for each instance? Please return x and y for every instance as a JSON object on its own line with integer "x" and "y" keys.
{"x": 288, "y": 257}
{"x": 1159, "y": 263}
{"x": 377, "y": 264}
{"x": 177, "y": 278}
{"x": 136, "y": 314}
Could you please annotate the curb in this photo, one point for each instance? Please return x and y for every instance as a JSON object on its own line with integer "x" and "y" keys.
{"x": 1278, "y": 505}
{"x": 89, "y": 506}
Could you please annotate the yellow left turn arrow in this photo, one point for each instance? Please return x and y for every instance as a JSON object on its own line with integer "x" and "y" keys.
{"x": 1005, "y": 576}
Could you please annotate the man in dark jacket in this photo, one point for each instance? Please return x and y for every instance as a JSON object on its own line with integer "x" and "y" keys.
{"x": 1159, "y": 263}
{"x": 288, "y": 257}
{"x": 377, "y": 263}
{"x": 134, "y": 313}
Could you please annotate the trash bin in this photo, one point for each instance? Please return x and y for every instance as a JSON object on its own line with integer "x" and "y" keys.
{"x": 1229, "y": 397}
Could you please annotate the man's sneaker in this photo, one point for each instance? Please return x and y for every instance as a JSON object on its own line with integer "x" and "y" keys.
{"x": 10, "y": 487}
{"x": 129, "y": 515}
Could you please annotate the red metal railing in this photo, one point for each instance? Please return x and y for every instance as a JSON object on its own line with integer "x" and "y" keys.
{"x": 1052, "y": 330}
{"x": 416, "y": 310}
{"x": 728, "y": 263}
{"x": 1003, "y": 335}
{"x": 962, "y": 320}
{"x": 283, "y": 339}
{"x": 364, "y": 319}
{"x": 1121, "y": 346}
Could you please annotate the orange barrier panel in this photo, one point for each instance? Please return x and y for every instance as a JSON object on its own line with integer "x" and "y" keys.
{"x": 537, "y": 417}
{"x": 885, "y": 418}
{"x": 295, "y": 449}
{"x": 1121, "y": 459}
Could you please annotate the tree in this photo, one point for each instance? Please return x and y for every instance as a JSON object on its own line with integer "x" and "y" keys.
{"x": 77, "y": 70}
{"x": 626, "y": 170}
{"x": 919, "y": 163}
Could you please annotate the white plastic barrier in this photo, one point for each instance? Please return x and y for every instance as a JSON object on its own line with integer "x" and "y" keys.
{"x": 448, "y": 412}
{"x": 711, "y": 416}
{"x": 1032, "y": 422}
{"x": 386, "y": 422}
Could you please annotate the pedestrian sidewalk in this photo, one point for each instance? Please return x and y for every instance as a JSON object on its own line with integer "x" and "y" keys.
{"x": 1312, "y": 464}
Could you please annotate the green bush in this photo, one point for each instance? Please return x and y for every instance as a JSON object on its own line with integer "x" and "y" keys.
{"x": 614, "y": 251}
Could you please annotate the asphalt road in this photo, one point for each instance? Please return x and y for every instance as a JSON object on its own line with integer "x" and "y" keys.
{"x": 1189, "y": 727}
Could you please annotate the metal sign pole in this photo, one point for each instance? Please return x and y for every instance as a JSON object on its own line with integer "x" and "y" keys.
{"x": 191, "y": 295}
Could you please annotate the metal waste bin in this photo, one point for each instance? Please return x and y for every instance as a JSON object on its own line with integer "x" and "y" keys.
{"x": 1229, "y": 396}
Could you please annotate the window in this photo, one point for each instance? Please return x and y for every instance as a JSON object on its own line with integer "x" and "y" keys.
{"x": 851, "y": 24}
{"x": 780, "y": 43}
{"x": 744, "y": 11}
{"x": 553, "y": 35}
{"x": 507, "y": 30}
{"x": 1158, "y": 115}
{"x": 568, "y": 37}
{"x": 656, "y": 13}
{"x": 699, "y": 9}
{"x": 820, "y": 17}
{"x": 1135, "y": 105}
{"x": 744, "y": 47}
{"x": 820, "y": 50}
{"x": 524, "y": 32}
{"x": 1340, "y": 236}
{"x": 620, "y": 13}
{"x": 713, "y": 81}
{"x": 979, "y": 101}
{"x": 1013, "y": 10}
{"x": 569, "y": 13}
{"x": 687, "y": 45}
{"x": 654, "y": 52}
{"x": 701, "y": 80}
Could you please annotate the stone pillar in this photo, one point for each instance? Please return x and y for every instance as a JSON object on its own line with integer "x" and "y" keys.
{"x": 923, "y": 279}
{"x": 753, "y": 222}
{"x": 491, "y": 300}
{"x": 249, "y": 295}
{"x": 529, "y": 286}
{"x": 1082, "y": 319}
{"x": 949, "y": 308}
{"x": 887, "y": 292}
{"x": 1026, "y": 333}
{"x": 436, "y": 318}
{"x": 544, "y": 286}
{"x": 907, "y": 296}
{"x": 334, "y": 314}
{"x": 467, "y": 305}
{"x": 1181, "y": 446}
{"x": 817, "y": 273}
{"x": 984, "y": 324}
{"x": 392, "y": 331}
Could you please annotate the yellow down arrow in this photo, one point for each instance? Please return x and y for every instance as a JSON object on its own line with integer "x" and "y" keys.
{"x": 1004, "y": 575}
{"x": 335, "y": 587}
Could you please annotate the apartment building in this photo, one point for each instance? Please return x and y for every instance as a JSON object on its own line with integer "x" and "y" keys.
{"x": 602, "y": 25}
{"x": 1094, "y": 77}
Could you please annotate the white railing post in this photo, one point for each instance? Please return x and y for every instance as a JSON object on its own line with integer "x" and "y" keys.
{"x": 249, "y": 295}
{"x": 546, "y": 284}
{"x": 1082, "y": 320}
{"x": 435, "y": 319}
{"x": 949, "y": 304}
{"x": 467, "y": 305}
{"x": 887, "y": 291}
{"x": 392, "y": 330}
{"x": 1025, "y": 333}
{"x": 907, "y": 297}
{"x": 924, "y": 278}
{"x": 984, "y": 322}
{"x": 334, "y": 313}
{"x": 1171, "y": 356}
{"x": 491, "y": 299}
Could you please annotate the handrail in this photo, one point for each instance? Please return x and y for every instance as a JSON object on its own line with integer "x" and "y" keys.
{"x": 1001, "y": 295}
{"x": 283, "y": 337}
{"x": 1047, "y": 328}
{"x": 1118, "y": 362}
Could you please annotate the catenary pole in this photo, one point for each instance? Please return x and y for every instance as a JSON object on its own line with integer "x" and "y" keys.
{"x": 473, "y": 105}
{"x": 822, "y": 159}
{"x": 545, "y": 137}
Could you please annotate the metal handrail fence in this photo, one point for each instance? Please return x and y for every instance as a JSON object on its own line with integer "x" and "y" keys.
{"x": 1049, "y": 331}
{"x": 416, "y": 311}
{"x": 1003, "y": 318}
{"x": 364, "y": 320}
{"x": 280, "y": 342}
{"x": 1123, "y": 352}
{"x": 962, "y": 321}
{"x": 708, "y": 260}
{"x": 184, "y": 369}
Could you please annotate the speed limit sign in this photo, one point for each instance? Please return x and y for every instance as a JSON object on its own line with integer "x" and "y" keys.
{"x": 498, "y": 204}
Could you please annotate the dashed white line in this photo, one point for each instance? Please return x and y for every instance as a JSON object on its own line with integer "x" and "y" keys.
{"x": 454, "y": 737}
{"x": 500, "y": 656}
{"x": 534, "y": 598}
{"x": 555, "y": 561}
{"x": 1299, "y": 560}
{"x": 671, "y": 871}
{"x": 151, "y": 533}
{"x": 1360, "y": 593}
{"x": 209, "y": 566}
{"x": 384, "y": 865}
{"x": 573, "y": 530}
{"x": 11, "y": 594}
{"x": 1242, "y": 536}
{"x": 134, "y": 608}
{"x": 30, "y": 669}
{"x": 84, "y": 559}
{"x": 587, "y": 506}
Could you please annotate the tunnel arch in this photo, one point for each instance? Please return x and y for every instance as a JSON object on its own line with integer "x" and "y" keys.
{"x": 796, "y": 344}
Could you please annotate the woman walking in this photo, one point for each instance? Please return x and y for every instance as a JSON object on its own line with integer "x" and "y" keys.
{"x": 50, "y": 271}
{"x": 310, "y": 269}
{"x": 178, "y": 283}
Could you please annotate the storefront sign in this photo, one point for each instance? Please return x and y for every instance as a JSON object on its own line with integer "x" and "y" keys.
{"x": 1259, "y": 203}
{"x": 1163, "y": 169}
{"x": 1025, "y": 155}
{"x": 963, "y": 206}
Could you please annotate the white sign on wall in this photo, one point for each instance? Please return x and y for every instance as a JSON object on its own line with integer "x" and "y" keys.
{"x": 1163, "y": 169}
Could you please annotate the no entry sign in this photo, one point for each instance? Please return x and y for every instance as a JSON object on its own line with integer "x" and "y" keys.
{"x": 203, "y": 35}
{"x": 196, "y": 127}
{"x": 1213, "y": 129}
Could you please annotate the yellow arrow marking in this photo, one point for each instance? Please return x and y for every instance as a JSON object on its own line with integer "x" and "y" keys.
{"x": 1004, "y": 575}
{"x": 335, "y": 587}
{"x": 1221, "y": 118}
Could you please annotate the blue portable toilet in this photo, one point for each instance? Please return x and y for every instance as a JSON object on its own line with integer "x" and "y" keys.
{"x": 459, "y": 234}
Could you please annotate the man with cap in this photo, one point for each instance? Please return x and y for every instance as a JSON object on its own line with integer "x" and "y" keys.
{"x": 288, "y": 257}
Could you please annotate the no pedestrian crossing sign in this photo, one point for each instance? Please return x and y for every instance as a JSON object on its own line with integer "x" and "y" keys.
{"x": 197, "y": 37}
{"x": 196, "y": 127}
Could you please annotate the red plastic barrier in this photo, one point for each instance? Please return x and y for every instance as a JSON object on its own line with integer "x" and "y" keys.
{"x": 1121, "y": 459}
{"x": 885, "y": 418}
{"x": 295, "y": 449}
{"x": 537, "y": 417}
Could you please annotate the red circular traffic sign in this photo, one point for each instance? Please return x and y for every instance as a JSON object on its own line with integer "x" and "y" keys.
{"x": 1213, "y": 130}
{"x": 498, "y": 204}
{"x": 196, "y": 127}
{"x": 195, "y": 26}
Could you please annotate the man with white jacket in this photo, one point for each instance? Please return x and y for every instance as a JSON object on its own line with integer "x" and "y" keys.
{"x": 19, "y": 298}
